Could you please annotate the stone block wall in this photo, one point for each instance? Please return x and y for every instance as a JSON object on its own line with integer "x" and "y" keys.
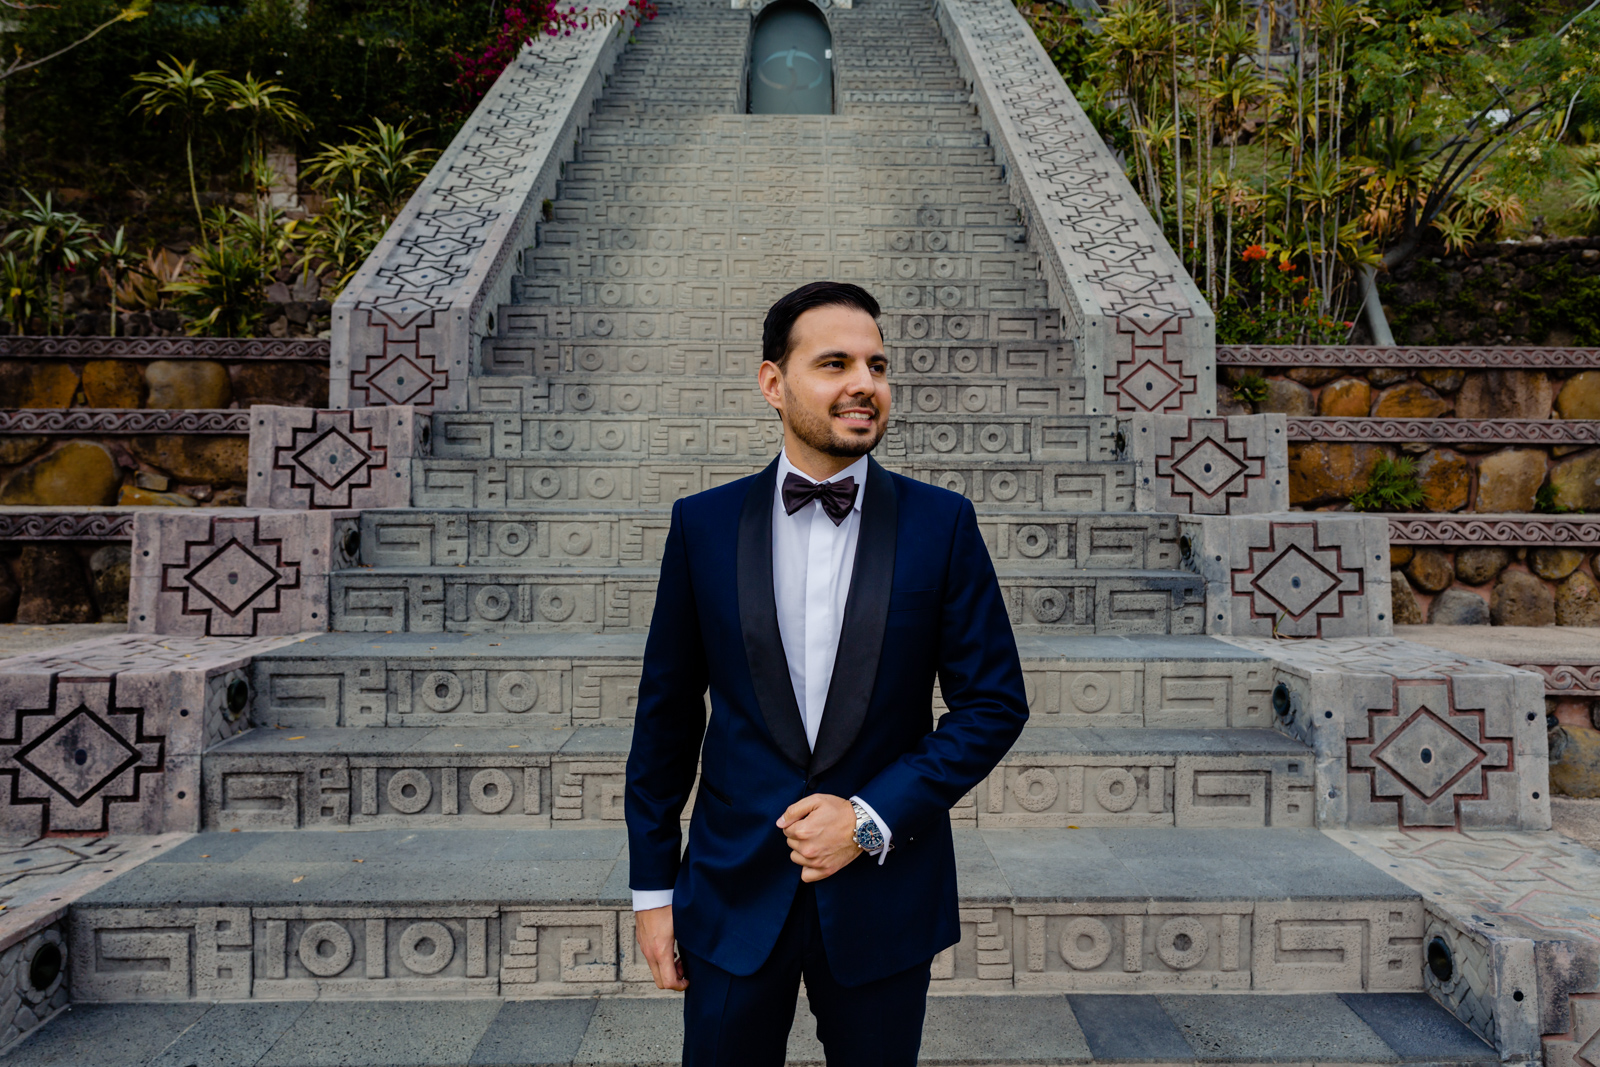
{"x": 1479, "y": 468}
{"x": 1459, "y": 585}
{"x": 64, "y": 582}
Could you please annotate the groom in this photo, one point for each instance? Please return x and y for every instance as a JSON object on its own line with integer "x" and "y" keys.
{"x": 817, "y": 600}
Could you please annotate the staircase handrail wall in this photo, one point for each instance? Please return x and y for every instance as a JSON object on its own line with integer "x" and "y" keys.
{"x": 1145, "y": 337}
{"x": 408, "y": 327}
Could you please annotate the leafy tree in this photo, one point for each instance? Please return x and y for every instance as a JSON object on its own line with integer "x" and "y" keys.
{"x": 21, "y": 62}
{"x": 190, "y": 94}
{"x": 56, "y": 242}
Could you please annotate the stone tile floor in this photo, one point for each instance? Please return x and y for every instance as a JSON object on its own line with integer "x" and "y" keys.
{"x": 41, "y": 877}
{"x": 18, "y": 638}
{"x": 1345, "y": 1029}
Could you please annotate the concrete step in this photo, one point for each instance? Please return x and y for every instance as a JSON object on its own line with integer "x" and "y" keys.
{"x": 624, "y": 295}
{"x": 925, "y": 397}
{"x": 542, "y": 776}
{"x": 913, "y": 364}
{"x": 383, "y": 679}
{"x": 656, "y": 420}
{"x": 477, "y": 913}
{"x": 742, "y": 324}
{"x": 692, "y": 155}
{"x": 794, "y": 215}
{"x": 547, "y": 537}
{"x": 551, "y": 264}
{"x": 1042, "y": 598}
{"x": 859, "y": 173}
{"x": 646, "y": 1031}
{"x": 874, "y": 194}
{"x": 884, "y": 240}
{"x": 779, "y": 131}
{"x": 1023, "y": 487}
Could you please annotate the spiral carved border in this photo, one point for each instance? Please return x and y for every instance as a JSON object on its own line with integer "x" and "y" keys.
{"x": 1507, "y": 358}
{"x": 55, "y": 527}
{"x": 123, "y": 421}
{"x": 1459, "y": 530}
{"x": 1567, "y": 679}
{"x": 1462, "y": 431}
{"x": 220, "y": 348}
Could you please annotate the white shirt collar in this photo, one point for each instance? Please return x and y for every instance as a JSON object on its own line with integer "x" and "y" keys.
{"x": 856, "y": 470}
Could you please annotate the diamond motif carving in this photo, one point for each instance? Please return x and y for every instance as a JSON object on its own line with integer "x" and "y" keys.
{"x": 67, "y": 770}
{"x": 1297, "y": 582}
{"x": 231, "y": 578}
{"x": 1426, "y": 756}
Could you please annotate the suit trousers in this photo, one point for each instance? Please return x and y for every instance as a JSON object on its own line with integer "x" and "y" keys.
{"x": 744, "y": 1021}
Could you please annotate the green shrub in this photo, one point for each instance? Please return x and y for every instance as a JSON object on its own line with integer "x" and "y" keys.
{"x": 1250, "y": 389}
{"x": 1392, "y": 486}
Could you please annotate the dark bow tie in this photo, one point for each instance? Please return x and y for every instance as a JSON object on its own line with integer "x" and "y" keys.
{"x": 837, "y": 497}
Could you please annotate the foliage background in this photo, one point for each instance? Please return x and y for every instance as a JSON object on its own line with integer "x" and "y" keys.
{"x": 68, "y": 123}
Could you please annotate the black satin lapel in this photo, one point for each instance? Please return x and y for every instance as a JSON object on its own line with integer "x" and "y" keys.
{"x": 758, "y": 622}
{"x": 866, "y": 616}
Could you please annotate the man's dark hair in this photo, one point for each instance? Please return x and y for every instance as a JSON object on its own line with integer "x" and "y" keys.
{"x": 776, "y": 333}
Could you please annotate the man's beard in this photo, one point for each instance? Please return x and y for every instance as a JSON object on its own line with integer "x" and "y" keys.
{"x": 819, "y": 433}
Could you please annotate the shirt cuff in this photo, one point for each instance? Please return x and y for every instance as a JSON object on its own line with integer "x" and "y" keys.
{"x": 883, "y": 828}
{"x": 647, "y": 899}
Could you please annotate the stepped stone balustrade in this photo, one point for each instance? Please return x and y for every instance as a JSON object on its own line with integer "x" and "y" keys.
{"x": 1415, "y": 736}
{"x": 106, "y": 736}
{"x": 237, "y": 573}
{"x": 351, "y": 458}
{"x": 1146, "y": 340}
{"x": 406, "y": 329}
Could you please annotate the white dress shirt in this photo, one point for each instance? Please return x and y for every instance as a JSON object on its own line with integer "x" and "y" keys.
{"x": 812, "y": 562}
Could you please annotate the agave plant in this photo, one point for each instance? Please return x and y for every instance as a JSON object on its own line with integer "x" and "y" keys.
{"x": 143, "y": 287}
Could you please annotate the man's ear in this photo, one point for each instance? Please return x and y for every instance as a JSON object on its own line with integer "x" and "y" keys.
{"x": 769, "y": 377}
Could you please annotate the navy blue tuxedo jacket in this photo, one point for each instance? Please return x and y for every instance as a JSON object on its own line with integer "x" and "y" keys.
{"x": 923, "y": 602}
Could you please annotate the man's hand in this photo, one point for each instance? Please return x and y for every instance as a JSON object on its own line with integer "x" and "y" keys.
{"x": 653, "y": 928}
{"x": 822, "y": 835}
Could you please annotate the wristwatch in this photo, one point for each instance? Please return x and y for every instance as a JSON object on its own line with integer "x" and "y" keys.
{"x": 869, "y": 838}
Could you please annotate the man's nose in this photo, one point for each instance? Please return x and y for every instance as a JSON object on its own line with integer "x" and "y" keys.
{"x": 860, "y": 382}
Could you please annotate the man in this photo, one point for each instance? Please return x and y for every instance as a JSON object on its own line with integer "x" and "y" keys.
{"x": 817, "y": 600}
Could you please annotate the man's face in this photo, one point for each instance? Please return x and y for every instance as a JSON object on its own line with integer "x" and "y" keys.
{"x": 834, "y": 390}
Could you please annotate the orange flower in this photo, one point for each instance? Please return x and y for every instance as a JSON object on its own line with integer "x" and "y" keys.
{"x": 1285, "y": 266}
{"x": 1253, "y": 253}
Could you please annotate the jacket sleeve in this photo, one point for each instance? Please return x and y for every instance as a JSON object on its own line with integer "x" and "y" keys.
{"x": 980, "y": 677}
{"x": 669, "y": 723}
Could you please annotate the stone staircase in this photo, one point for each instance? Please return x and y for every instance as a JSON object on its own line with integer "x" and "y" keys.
{"x": 428, "y": 625}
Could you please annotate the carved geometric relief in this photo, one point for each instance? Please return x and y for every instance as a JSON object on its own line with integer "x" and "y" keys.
{"x": 563, "y": 953}
{"x": 1338, "y": 946}
{"x": 305, "y": 458}
{"x": 1426, "y": 756}
{"x": 1144, "y": 378}
{"x": 1105, "y": 946}
{"x": 71, "y": 762}
{"x": 1294, "y": 583}
{"x": 1231, "y": 466}
{"x": 231, "y": 577}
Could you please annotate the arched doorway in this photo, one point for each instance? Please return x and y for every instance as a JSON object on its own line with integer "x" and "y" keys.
{"x": 791, "y": 62}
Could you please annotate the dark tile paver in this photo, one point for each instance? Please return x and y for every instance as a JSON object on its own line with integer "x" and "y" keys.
{"x": 534, "y": 1032}
{"x": 105, "y": 1035}
{"x": 1121, "y": 1027}
{"x": 1417, "y": 1027}
{"x": 1263, "y": 1028}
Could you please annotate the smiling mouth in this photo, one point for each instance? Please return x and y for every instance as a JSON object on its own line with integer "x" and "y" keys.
{"x": 857, "y": 415}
